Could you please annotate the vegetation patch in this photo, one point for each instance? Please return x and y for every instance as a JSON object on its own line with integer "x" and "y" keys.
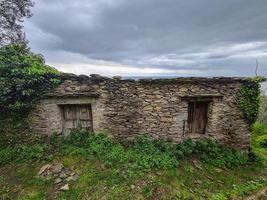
{"x": 24, "y": 77}
{"x": 143, "y": 153}
{"x": 248, "y": 98}
{"x": 141, "y": 169}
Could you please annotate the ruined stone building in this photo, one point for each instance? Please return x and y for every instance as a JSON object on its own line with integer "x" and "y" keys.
{"x": 172, "y": 109}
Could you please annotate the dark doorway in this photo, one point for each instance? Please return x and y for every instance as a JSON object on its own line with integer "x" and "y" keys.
{"x": 197, "y": 116}
{"x": 76, "y": 115}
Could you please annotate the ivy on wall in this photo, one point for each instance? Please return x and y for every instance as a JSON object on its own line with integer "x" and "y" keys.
{"x": 248, "y": 98}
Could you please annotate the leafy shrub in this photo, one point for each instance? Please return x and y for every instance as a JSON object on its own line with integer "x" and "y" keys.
{"x": 116, "y": 155}
{"x": 77, "y": 137}
{"x": 7, "y": 155}
{"x": 23, "y": 153}
{"x": 99, "y": 144}
{"x": 142, "y": 154}
{"x": 259, "y": 128}
{"x": 248, "y": 98}
{"x": 184, "y": 149}
{"x": 262, "y": 141}
{"x": 75, "y": 151}
{"x": 145, "y": 153}
{"x": 210, "y": 152}
{"x": 263, "y": 109}
{"x": 13, "y": 131}
{"x": 30, "y": 79}
{"x": 31, "y": 152}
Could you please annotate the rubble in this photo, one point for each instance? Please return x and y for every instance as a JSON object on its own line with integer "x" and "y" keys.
{"x": 60, "y": 174}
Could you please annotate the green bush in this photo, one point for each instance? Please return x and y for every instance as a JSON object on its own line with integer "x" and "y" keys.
{"x": 262, "y": 141}
{"x": 15, "y": 131}
{"x": 141, "y": 154}
{"x": 152, "y": 154}
{"x": 259, "y": 128}
{"x": 31, "y": 152}
{"x": 23, "y": 153}
{"x": 24, "y": 77}
{"x": 248, "y": 98}
{"x": 184, "y": 149}
{"x": 7, "y": 155}
{"x": 210, "y": 152}
{"x": 263, "y": 109}
{"x": 146, "y": 154}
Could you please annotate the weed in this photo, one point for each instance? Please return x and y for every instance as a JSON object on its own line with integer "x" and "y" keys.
{"x": 259, "y": 128}
{"x": 220, "y": 196}
{"x": 143, "y": 154}
{"x": 262, "y": 141}
{"x": 7, "y": 155}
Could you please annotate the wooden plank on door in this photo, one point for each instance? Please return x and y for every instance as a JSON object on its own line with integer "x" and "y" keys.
{"x": 197, "y": 116}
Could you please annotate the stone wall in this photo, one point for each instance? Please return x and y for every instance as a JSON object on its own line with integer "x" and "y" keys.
{"x": 127, "y": 108}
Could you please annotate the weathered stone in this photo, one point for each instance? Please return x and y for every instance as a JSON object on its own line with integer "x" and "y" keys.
{"x": 260, "y": 195}
{"x": 117, "y": 77}
{"x": 73, "y": 178}
{"x": 62, "y": 174}
{"x": 65, "y": 187}
{"x": 58, "y": 180}
{"x": 57, "y": 168}
{"x": 43, "y": 169}
{"x": 198, "y": 182}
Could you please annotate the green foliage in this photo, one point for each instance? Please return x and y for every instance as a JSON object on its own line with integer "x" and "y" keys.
{"x": 259, "y": 128}
{"x": 212, "y": 153}
{"x": 262, "y": 141}
{"x": 23, "y": 153}
{"x": 259, "y": 137}
{"x": 7, "y": 155}
{"x": 260, "y": 134}
{"x": 142, "y": 153}
{"x": 33, "y": 152}
{"x": 14, "y": 131}
{"x": 145, "y": 153}
{"x": 263, "y": 109}
{"x": 247, "y": 188}
{"x": 248, "y": 98}
{"x": 220, "y": 196}
{"x": 24, "y": 77}
{"x": 143, "y": 168}
{"x": 240, "y": 190}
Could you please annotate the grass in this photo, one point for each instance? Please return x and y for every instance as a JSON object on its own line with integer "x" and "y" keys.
{"x": 112, "y": 171}
{"x": 98, "y": 182}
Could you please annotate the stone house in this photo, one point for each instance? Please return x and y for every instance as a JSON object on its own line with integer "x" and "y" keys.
{"x": 172, "y": 109}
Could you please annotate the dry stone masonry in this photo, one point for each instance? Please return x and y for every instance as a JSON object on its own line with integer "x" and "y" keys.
{"x": 171, "y": 109}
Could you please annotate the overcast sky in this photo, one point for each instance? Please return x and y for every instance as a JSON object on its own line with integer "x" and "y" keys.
{"x": 151, "y": 37}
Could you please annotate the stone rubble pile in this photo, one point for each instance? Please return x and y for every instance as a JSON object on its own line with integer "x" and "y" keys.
{"x": 60, "y": 174}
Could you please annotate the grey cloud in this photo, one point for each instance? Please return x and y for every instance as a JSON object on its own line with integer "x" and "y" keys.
{"x": 169, "y": 34}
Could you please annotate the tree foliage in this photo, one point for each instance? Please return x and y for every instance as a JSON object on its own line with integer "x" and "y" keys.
{"x": 24, "y": 77}
{"x": 12, "y": 14}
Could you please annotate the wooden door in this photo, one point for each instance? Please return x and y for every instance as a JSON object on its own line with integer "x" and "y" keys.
{"x": 75, "y": 116}
{"x": 197, "y": 117}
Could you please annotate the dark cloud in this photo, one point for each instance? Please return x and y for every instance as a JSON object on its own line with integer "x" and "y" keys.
{"x": 210, "y": 38}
